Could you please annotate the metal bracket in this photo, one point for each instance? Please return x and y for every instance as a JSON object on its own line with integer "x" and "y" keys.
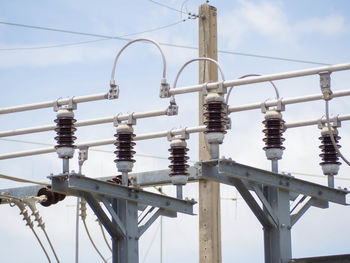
{"x": 279, "y": 107}
{"x": 221, "y": 89}
{"x": 112, "y": 229}
{"x": 130, "y": 121}
{"x": 173, "y": 109}
{"x": 113, "y": 92}
{"x": 150, "y": 221}
{"x": 70, "y": 106}
{"x": 164, "y": 89}
{"x": 266, "y": 204}
{"x": 119, "y": 225}
{"x": 184, "y": 135}
{"x": 83, "y": 155}
{"x": 325, "y": 85}
{"x": 335, "y": 122}
{"x": 205, "y": 89}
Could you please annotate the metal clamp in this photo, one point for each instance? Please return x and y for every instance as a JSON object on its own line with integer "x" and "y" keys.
{"x": 325, "y": 85}
{"x": 113, "y": 92}
{"x": 130, "y": 121}
{"x": 70, "y": 106}
{"x": 83, "y": 154}
{"x": 335, "y": 122}
{"x": 173, "y": 109}
{"x": 205, "y": 89}
{"x": 279, "y": 107}
{"x": 164, "y": 89}
{"x": 184, "y": 135}
{"x": 222, "y": 89}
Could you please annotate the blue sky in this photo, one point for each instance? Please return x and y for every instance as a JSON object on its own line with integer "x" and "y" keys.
{"x": 302, "y": 30}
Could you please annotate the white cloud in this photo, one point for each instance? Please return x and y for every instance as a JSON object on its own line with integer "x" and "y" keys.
{"x": 270, "y": 19}
{"x": 331, "y": 25}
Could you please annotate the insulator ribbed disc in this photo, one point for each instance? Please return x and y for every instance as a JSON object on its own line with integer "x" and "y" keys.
{"x": 178, "y": 160}
{"x": 329, "y": 155}
{"x": 215, "y": 116}
{"x": 273, "y": 133}
{"x": 65, "y": 130}
{"x": 125, "y": 145}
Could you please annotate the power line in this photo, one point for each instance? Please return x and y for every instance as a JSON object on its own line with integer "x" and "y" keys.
{"x": 166, "y": 6}
{"x": 122, "y": 37}
{"x": 106, "y": 37}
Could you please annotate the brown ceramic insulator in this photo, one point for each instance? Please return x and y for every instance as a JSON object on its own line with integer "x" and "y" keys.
{"x": 273, "y": 133}
{"x": 329, "y": 155}
{"x": 65, "y": 132}
{"x": 215, "y": 116}
{"x": 178, "y": 160}
{"x": 125, "y": 146}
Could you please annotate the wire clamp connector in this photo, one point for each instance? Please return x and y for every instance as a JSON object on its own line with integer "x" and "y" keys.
{"x": 113, "y": 92}
{"x": 72, "y": 105}
{"x": 184, "y": 135}
{"x": 172, "y": 109}
{"x": 130, "y": 121}
{"x": 164, "y": 89}
{"x": 325, "y": 84}
{"x": 279, "y": 107}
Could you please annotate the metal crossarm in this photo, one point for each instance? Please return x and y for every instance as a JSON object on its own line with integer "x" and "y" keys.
{"x": 76, "y": 182}
{"x": 251, "y": 174}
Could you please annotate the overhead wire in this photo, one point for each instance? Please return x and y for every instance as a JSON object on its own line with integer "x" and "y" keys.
{"x": 19, "y": 203}
{"x": 31, "y": 203}
{"x": 168, "y": 7}
{"x": 83, "y": 218}
{"x": 104, "y": 235}
{"x": 253, "y": 75}
{"x": 21, "y": 180}
{"x": 331, "y": 134}
{"x": 106, "y": 37}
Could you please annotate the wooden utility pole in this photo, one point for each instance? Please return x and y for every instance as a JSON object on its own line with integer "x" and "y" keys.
{"x": 209, "y": 191}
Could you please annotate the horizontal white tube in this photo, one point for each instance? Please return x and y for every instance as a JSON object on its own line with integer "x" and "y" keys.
{"x": 96, "y": 121}
{"x": 263, "y": 78}
{"x": 140, "y": 137}
{"x": 287, "y": 101}
{"x": 48, "y": 104}
{"x": 315, "y": 121}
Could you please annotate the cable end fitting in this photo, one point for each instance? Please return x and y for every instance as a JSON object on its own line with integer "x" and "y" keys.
{"x": 113, "y": 92}
{"x": 325, "y": 84}
{"x": 173, "y": 109}
{"x": 164, "y": 89}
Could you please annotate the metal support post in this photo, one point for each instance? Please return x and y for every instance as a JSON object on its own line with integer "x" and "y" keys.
{"x": 125, "y": 250}
{"x": 122, "y": 203}
{"x": 65, "y": 162}
{"x": 278, "y": 244}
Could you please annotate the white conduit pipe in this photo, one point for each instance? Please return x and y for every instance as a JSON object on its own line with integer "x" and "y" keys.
{"x": 154, "y": 135}
{"x": 269, "y": 77}
{"x": 287, "y": 101}
{"x": 96, "y": 121}
{"x": 51, "y": 103}
{"x": 316, "y": 121}
{"x": 140, "y": 137}
{"x": 182, "y": 90}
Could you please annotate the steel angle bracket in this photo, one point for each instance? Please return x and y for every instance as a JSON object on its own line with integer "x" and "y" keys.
{"x": 74, "y": 184}
{"x": 228, "y": 170}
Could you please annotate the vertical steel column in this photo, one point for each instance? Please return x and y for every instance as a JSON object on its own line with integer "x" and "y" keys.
{"x": 278, "y": 244}
{"x": 126, "y": 250}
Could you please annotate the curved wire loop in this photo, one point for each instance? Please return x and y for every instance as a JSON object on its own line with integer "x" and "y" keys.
{"x": 193, "y": 60}
{"x": 253, "y": 75}
{"x": 131, "y": 42}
